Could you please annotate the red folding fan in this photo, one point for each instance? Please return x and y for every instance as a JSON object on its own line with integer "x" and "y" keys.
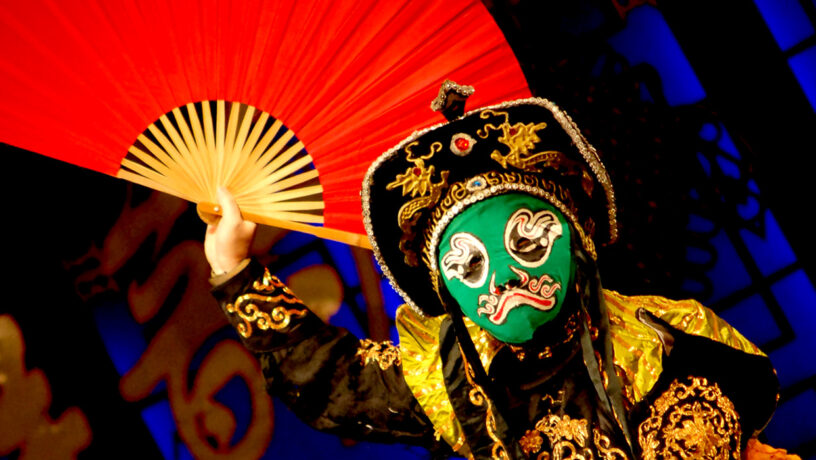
{"x": 285, "y": 102}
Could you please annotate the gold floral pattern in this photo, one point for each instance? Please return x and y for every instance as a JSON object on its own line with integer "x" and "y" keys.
{"x": 385, "y": 354}
{"x": 531, "y": 442}
{"x": 691, "y": 420}
{"x": 569, "y": 439}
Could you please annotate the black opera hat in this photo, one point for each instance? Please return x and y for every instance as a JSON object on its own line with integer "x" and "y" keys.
{"x": 412, "y": 191}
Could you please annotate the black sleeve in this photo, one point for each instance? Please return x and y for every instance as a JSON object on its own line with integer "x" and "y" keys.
{"x": 330, "y": 379}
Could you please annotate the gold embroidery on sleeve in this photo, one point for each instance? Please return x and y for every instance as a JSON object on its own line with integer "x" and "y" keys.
{"x": 692, "y": 419}
{"x": 269, "y": 283}
{"x": 280, "y": 316}
{"x": 247, "y": 309}
{"x": 385, "y": 354}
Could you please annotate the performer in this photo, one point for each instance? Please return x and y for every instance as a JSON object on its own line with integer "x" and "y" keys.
{"x": 487, "y": 226}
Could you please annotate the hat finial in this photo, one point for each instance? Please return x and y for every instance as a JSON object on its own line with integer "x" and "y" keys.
{"x": 451, "y": 99}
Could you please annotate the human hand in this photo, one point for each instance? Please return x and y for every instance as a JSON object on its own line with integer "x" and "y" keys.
{"x": 227, "y": 242}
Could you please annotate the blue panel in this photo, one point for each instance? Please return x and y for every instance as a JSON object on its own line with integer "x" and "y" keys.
{"x": 727, "y": 144}
{"x": 772, "y": 252}
{"x": 753, "y": 319}
{"x": 697, "y": 256}
{"x": 293, "y": 241}
{"x": 182, "y": 452}
{"x": 709, "y": 132}
{"x": 159, "y": 421}
{"x": 729, "y": 274}
{"x": 804, "y": 67}
{"x": 394, "y": 334}
{"x": 225, "y": 333}
{"x": 344, "y": 263}
{"x": 699, "y": 224}
{"x": 793, "y": 421}
{"x": 235, "y": 396}
{"x": 728, "y": 167}
{"x": 309, "y": 259}
{"x": 752, "y": 186}
{"x": 361, "y": 301}
{"x": 120, "y": 333}
{"x": 704, "y": 163}
{"x": 797, "y": 298}
{"x": 647, "y": 38}
{"x": 645, "y": 95}
{"x": 787, "y": 20}
{"x": 750, "y": 209}
{"x": 345, "y": 318}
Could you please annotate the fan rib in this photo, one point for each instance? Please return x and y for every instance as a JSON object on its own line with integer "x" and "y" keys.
{"x": 145, "y": 176}
{"x": 293, "y": 206}
{"x": 295, "y": 216}
{"x": 168, "y": 155}
{"x": 188, "y": 157}
{"x": 259, "y": 200}
{"x": 149, "y": 160}
{"x": 294, "y": 180}
{"x": 255, "y": 158}
{"x": 241, "y": 147}
{"x": 270, "y": 179}
{"x": 209, "y": 137}
{"x": 293, "y": 194}
{"x": 281, "y": 159}
{"x": 199, "y": 145}
{"x": 220, "y": 132}
{"x": 246, "y": 166}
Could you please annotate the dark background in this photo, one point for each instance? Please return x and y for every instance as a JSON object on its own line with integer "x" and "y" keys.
{"x": 703, "y": 112}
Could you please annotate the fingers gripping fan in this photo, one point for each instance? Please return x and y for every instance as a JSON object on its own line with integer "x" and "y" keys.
{"x": 286, "y": 103}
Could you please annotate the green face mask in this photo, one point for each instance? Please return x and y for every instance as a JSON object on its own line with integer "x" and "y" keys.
{"x": 507, "y": 261}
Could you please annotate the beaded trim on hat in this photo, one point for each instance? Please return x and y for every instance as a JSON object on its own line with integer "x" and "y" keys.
{"x": 587, "y": 151}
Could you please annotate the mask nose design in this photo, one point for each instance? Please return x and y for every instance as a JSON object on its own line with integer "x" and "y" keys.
{"x": 509, "y": 284}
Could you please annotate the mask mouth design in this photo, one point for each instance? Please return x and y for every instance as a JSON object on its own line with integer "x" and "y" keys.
{"x": 537, "y": 293}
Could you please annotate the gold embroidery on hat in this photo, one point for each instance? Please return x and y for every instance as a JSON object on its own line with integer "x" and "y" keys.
{"x": 416, "y": 180}
{"x": 521, "y": 139}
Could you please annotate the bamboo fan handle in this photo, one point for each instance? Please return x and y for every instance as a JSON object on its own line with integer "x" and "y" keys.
{"x": 210, "y": 213}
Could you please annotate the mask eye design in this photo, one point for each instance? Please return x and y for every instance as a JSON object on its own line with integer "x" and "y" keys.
{"x": 529, "y": 237}
{"x": 467, "y": 260}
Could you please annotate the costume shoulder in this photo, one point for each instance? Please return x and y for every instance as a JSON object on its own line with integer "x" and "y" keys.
{"x": 674, "y": 356}
{"x": 637, "y": 347}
